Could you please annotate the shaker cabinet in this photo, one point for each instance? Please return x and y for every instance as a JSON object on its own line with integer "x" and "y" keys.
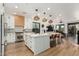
{"x": 10, "y": 26}
{"x": 37, "y": 43}
{"x": 10, "y": 22}
{"x": 10, "y": 37}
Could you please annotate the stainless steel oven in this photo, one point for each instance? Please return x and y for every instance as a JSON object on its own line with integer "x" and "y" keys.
{"x": 19, "y": 36}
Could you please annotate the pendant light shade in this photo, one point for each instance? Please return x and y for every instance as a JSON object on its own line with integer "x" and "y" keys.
{"x": 44, "y": 19}
{"x": 36, "y": 17}
{"x": 50, "y": 21}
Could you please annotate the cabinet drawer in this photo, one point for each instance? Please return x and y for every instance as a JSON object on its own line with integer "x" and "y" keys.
{"x": 30, "y": 41}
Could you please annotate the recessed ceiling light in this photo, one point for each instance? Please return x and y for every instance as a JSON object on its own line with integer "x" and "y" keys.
{"x": 16, "y": 6}
{"x": 14, "y": 13}
{"x": 48, "y": 8}
{"x": 38, "y": 14}
{"x": 60, "y": 15}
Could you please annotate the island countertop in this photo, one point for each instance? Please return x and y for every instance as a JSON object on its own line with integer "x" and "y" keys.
{"x": 35, "y": 35}
{"x": 41, "y": 34}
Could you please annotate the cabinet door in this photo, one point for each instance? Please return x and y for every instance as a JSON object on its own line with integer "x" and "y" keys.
{"x": 28, "y": 41}
{"x": 10, "y": 21}
{"x": 13, "y": 37}
{"x": 28, "y": 23}
{"x": 24, "y": 36}
{"x": 41, "y": 44}
{"x": 10, "y": 37}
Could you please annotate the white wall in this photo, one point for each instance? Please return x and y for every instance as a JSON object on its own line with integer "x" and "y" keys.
{"x": 29, "y": 19}
{"x": 77, "y": 26}
{"x": 28, "y": 22}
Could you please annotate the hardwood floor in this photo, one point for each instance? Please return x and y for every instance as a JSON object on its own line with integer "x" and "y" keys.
{"x": 65, "y": 49}
{"x": 17, "y": 49}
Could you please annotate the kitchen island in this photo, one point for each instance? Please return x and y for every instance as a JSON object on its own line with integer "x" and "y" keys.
{"x": 37, "y": 43}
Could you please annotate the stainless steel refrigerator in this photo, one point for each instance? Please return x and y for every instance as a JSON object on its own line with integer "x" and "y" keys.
{"x": 1, "y": 36}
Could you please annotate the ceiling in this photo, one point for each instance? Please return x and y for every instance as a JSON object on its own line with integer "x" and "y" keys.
{"x": 66, "y": 10}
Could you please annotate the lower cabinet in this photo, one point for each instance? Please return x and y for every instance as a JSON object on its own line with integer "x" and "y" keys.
{"x": 37, "y": 44}
{"x": 10, "y": 37}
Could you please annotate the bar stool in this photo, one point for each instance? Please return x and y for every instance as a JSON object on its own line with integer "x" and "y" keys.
{"x": 51, "y": 37}
{"x": 54, "y": 38}
{"x": 62, "y": 36}
{"x": 57, "y": 38}
{"x": 52, "y": 41}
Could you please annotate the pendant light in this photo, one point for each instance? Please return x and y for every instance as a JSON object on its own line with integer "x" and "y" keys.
{"x": 44, "y": 19}
{"x": 50, "y": 21}
{"x": 36, "y": 17}
{"x": 60, "y": 17}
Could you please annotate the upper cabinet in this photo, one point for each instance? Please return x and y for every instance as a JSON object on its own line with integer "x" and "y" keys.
{"x": 19, "y": 21}
{"x": 1, "y": 8}
{"x": 14, "y": 21}
{"x": 28, "y": 23}
{"x": 10, "y": 21}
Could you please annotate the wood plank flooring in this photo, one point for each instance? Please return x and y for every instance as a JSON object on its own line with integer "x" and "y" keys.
{"x": 65, "y": 49}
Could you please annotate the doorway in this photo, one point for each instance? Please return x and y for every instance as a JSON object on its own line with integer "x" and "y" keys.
{"x": 72, "y": 31}
{"x": 60, "y": 27}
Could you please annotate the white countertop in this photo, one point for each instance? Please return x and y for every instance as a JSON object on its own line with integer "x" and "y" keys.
{"x": 36, "y": 35}
{"x": 41, "y": 34}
